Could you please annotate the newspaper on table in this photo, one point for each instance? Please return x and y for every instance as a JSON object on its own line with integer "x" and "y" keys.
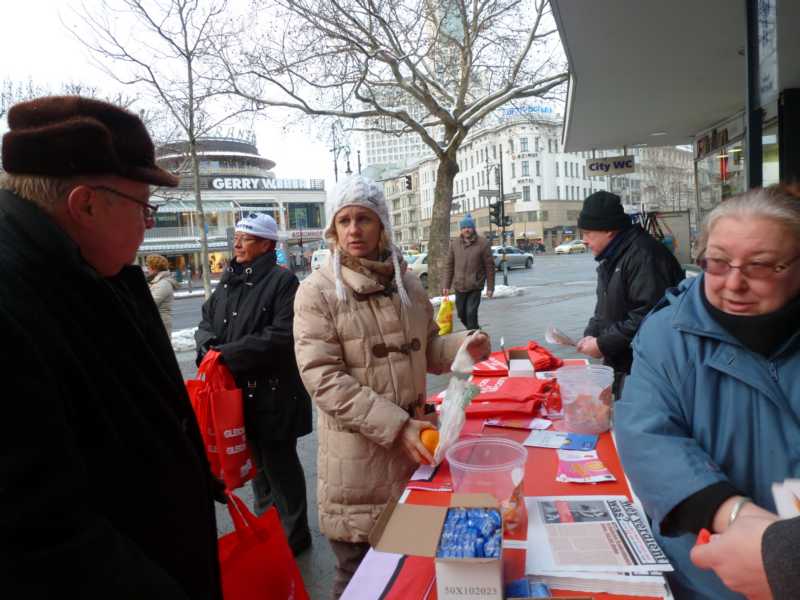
{"x": 607, "y": 534}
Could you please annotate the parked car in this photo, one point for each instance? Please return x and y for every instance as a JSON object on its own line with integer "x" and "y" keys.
{"x": 514, "y": 257}
{"x": 320, "y": 258}
{"x": 571, "y": 247}
{"x": 420, "y": 267}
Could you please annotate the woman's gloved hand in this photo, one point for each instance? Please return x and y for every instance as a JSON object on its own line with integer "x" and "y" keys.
{"x": 411, "y": 443}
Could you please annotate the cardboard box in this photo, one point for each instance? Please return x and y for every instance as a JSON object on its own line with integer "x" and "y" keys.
{"x": 415, "y": 529}
{"x": 519, "y": 364}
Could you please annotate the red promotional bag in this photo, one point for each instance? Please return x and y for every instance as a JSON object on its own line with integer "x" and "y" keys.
{"x": 255, "y": 559}
{"x": 218, "y": 406}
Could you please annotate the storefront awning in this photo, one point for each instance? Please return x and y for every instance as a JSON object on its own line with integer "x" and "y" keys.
{"x": 654, "y": 73}
{"x": 180, "y": 206}
{"x": 179, "y": 247}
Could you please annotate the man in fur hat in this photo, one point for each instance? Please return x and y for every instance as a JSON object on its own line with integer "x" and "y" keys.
{"x": 105, "y": 489}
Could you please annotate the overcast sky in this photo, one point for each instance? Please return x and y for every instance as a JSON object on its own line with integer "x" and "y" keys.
{"x": 35, "y": 45}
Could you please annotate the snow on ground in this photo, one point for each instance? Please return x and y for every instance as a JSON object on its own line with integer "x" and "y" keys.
{"x": 183, "y": 339}
{"x": 500, "y": 291}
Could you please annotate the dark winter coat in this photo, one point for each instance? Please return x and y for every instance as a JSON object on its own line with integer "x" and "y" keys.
{"x": 105, "y": 490}
{"x": 629, "y": 283}
{"x": 779, "y": 549}
{"x": 249, "y": 319}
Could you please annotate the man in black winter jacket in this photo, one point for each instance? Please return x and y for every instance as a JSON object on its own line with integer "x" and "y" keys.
{"x": 105, "y": 489}
{"x": 633, "y": 273}
{"x": 249, "y": 320}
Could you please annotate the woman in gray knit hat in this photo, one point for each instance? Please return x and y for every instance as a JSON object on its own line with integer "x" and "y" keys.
{"x": 364, "y": 339}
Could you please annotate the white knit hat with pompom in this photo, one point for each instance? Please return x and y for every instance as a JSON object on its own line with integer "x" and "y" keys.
{"x": 357, "y": 190}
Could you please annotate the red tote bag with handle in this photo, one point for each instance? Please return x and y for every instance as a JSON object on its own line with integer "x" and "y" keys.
{"x": 255, "y": 559}
{"x": 218, "y": 405}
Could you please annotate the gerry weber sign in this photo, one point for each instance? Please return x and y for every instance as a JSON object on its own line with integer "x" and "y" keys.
{"x": 610, "y": 165}
{"x": 265, "y": 183}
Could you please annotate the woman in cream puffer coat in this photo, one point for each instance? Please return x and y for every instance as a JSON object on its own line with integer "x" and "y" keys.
{"x": 364, "y": 340}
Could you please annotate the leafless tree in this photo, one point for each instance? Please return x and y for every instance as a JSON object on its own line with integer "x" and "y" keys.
{"x": 165, "y": 47}
{"x": 431, "y": 68}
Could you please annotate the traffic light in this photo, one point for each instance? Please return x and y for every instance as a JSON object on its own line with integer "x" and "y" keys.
{"x": 496, "y": 213}
{"x": 408, "y": 182}
{"x": 506, "y": 221}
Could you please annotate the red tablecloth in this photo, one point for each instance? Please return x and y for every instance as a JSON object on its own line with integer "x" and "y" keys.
{"x": 413, "y": 577}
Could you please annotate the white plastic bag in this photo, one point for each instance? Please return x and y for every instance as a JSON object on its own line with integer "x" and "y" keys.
{"x": 457, "y": 397}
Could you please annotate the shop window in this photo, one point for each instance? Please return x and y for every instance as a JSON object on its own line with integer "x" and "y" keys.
{"x": 721, "y": 174}
{"x": 770, "y": 165}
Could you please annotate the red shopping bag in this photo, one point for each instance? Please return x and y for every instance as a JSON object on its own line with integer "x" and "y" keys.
{"x": 218, "y": 405}
{"x": 255, "y": 559}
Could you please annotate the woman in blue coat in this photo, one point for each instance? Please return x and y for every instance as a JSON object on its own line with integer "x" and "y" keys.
{"x": 710, "y": 416}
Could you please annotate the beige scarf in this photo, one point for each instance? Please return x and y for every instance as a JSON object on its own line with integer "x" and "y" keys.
{"x": 381, "y": 271}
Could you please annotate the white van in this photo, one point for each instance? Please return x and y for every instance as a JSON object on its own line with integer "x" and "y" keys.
{"x": 320, "y": 258}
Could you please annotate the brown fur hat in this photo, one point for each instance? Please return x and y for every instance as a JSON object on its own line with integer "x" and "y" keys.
{"x": 64, "y": 136}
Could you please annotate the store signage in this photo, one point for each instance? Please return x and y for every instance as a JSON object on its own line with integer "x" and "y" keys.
{"x": 525, "y": 110}
{"x": 714, "y": 139}
{"x": 610, "y": 165}
{"x": 265, "y": 183}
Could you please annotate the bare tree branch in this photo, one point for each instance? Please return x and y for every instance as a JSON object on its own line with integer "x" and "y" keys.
{"x": 171, "y": 52}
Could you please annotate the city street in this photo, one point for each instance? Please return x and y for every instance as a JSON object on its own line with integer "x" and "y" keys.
{"x": 560, "y": 291}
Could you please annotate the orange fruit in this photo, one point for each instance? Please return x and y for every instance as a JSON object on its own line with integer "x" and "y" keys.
{"x": 429, "y": 439}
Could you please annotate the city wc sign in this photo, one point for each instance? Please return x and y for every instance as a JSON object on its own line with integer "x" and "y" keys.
{"x": 610, "y": 165}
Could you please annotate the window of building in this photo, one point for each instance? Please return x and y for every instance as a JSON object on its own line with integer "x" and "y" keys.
{"x": 558, "y": 192}
{"x": 536, "y": 144}
{"x": 539, "y": 192}
{"x": 305, "y": 216}
{"x": 566, "y": 169}
{"x": 526, "y": 193}
{"x": 523, "y": 144}
{"x": 494, "y": 151}
{"x": 526, "y": 169}
{"x": 538, "y": 168}
{"x": 544, "y": 215}
{"x": 511, "y": 146}
{"x": 513, "y": 169}
{"x": 549, "y": 145}
{"x": 557, "y": 169}
{"x": 473, "y": 182}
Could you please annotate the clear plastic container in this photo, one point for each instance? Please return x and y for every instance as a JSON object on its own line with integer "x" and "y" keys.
{"x": 586, "y": 397}
{"x": 493, "y": 465}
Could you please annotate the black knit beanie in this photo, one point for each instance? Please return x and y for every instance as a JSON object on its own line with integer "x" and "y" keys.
{"x": 602, "y": 211}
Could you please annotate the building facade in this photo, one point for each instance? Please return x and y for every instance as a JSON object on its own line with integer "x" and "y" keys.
{"x": 402, "y": 197}
{"x": 543, "y": 186}
{"x": 234, "y": 180}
